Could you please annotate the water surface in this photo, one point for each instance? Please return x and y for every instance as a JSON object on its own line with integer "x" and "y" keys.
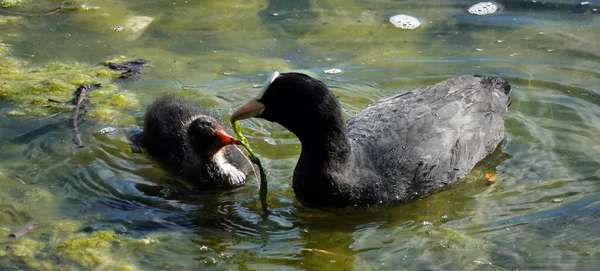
{"x": 104, "y": 208}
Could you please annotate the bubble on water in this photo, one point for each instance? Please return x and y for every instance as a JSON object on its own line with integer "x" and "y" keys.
{"x": 204, "y": 248}
{"x": 107, "y": 130}
{"x": 332, "y": 71}
{"x": 483, "y": 8}
{"x": 405, "y": 21}
{"x": 224, "y": 255}
{"x": 210, "y": 261}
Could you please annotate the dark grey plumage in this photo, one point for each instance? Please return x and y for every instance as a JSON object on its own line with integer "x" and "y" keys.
{"x": 397, "y": 149}
{"x": 426, "y": 139}
{"x": 178, "y": 133}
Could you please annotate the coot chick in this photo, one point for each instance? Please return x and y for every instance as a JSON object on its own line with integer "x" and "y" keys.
{"x": 396, "y": 150}
{"x": 188, "y": 140}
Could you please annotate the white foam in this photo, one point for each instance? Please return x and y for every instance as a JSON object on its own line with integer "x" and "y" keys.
{"x": 332, "y": 71}
{"x": 483, "y": 8}
{"x": 405, "y": 21}
{"x": 107, "y": 130}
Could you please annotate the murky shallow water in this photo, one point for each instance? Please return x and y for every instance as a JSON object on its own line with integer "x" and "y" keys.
{"x": 104, "y": 208}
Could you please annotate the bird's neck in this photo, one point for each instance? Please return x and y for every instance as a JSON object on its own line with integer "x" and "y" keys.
{"x": 328, "y": 145}
{"x": 320, "y": 177}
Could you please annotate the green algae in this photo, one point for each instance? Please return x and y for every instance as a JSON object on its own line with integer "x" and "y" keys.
{"x": 10, "y": 20}
{"x": 61, "y": 245}
{"x": 120, "y": 100}
{"x": 48, "y": 89}
{"x": 99, "y": 248}
{"x": 25, "y": 248}
{"x": 4, "y": 49}
{"x": 28, "y": 253}
{"x": 87, "y": 251}
{"x": 237, "y": 129}
{"x": 11, "y": 3}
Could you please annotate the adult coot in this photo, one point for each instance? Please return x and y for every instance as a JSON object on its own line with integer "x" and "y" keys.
{"x": 188, "y": 139}
{"x": 397, "y": 149}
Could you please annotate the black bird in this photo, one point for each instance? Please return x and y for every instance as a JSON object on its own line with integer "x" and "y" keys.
{"x": 396, "y": 150}
{"x": 189, "y": 141}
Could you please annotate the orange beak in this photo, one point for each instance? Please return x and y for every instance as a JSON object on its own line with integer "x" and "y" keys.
{"x": 225, "y": 138}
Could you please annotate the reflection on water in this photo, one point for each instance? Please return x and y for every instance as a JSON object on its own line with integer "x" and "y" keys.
{"x": 540, "y": 214}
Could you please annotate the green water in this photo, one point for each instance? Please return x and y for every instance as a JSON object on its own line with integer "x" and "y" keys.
{"x": 103, "y": 208}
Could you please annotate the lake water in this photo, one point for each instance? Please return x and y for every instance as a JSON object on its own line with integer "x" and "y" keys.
{"x": 102, "y": 207}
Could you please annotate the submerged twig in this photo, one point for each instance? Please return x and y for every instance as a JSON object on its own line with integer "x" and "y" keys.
{"x": 178, "y": 80}
{"x": 62, "y": 5}
{"x": 80, "y": 94}
{"x": 572, "y": 37}
{"x": 23, "y": 229}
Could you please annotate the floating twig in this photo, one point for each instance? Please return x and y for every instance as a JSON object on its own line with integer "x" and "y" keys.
{"x": 80, "y": 94}
{"x": 23, "y": 229}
